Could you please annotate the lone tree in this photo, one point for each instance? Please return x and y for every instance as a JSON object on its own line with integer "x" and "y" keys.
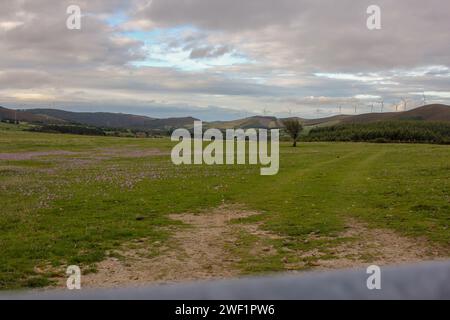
{"x": 294, "y": 128}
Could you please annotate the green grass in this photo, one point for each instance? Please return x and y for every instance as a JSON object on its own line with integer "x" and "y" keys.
{"x": 56, "y": 212}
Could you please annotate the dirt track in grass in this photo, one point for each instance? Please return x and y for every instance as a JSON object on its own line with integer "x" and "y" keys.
{"x": 366, "y": 246}
{"x": 195, "y": 252}
{"x": 201, "y": 251}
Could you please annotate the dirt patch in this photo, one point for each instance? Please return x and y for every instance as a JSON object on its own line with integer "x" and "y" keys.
{"x": 34, "y": 154}
{"x": 196, "y": 252}
{"x": 367, "y": 245}
{"x": 199, "y": 251}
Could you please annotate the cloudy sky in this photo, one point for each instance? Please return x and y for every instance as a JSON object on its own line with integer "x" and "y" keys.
{"x": 218, "y": 59}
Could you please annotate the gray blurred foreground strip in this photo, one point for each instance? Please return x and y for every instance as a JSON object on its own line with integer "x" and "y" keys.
{"x": 420, "y": 281}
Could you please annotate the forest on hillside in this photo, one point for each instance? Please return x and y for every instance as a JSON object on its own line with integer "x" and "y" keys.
{"x": 388, "y": 131}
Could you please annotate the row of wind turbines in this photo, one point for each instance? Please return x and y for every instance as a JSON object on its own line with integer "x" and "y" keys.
{"x": 402, "y": 105}
{"x": 399, "y": 106}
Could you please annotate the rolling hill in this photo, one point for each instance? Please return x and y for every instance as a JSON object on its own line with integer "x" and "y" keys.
{"x": 169, "y": 123}
{"x": 433, "y": 112}
{"x": 115, "y": 120}
{"x": 25, "y": 116}
{"x": 246, "y": 123}
{"x": 97, "y": 119}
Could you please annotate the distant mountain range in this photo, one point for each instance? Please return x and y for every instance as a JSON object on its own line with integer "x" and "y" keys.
{"x": 433, "y": 112}
{"x": 95, "y": 119}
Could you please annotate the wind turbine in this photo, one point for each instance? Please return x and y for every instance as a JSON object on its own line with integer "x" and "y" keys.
{"x": 382, "y": 105}
{"x": 424, "y": 99}
{"x": 404, "y": 104}
{"x": 371, "y": 109}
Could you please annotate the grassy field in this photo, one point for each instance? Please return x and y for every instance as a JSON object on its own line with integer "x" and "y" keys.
{"x": 80, "y": 197}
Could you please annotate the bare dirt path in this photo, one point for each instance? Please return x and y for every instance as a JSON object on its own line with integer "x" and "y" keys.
{"x": 196, "y": 252}
{"x": 367, "y": 246}
{"x": 199, "y": 252}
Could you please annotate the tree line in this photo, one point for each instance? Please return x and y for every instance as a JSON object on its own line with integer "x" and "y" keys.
{"x": 388, "y": 131}
{"x": 98, "y": 131}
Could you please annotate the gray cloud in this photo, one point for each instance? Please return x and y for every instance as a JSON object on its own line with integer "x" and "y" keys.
{"x": 286, "y": 44}
{"x": 321, "y": 34}
{"x": 43, "y": 41}
{"x": 209, "y": 52}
